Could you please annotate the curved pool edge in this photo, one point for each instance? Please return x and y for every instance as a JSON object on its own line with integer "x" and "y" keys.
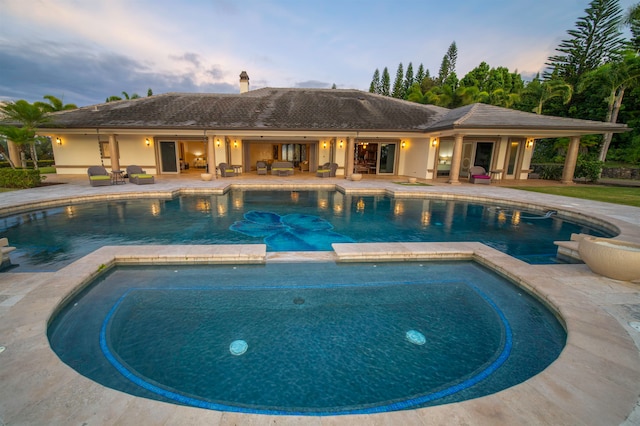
{"x": 620, "y": 228}
{"x": 595, "y": 380}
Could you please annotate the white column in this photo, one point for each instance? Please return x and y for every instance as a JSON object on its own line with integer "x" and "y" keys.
{"x": 348, "y": 167}
{"x": 570, "y": 161}
{"x": 456, "y": 160}
{"x": 211, "y": 156}
{"x": 113, "y": 152}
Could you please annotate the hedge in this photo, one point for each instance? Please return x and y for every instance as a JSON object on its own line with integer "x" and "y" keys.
{"x": 41, "y": 163}
{"x": 20, "y": 178}
{"x": 549, "y": 171}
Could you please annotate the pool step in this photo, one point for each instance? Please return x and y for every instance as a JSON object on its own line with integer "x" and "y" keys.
{"x": 569, "y": 249}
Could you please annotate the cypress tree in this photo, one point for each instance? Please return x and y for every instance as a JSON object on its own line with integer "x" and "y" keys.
{"x": 374, "y": 87}
{"x": 385, "y": 83}
{"x": 398, "y": 84}
{"x": 408, "y": 79}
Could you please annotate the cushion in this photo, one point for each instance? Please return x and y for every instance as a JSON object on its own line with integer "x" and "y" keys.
{"x": 141, "y": 176}
{"x": 100, "y": 177}
{"x": 481, "y": 176}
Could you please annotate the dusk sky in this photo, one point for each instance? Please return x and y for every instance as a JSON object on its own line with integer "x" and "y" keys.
{"x": 85, "y": 51}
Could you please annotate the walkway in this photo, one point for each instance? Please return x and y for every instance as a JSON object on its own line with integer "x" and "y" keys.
{"x": 595, "y": 381}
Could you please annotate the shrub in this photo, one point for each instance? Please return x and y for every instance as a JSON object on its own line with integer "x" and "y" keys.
{"x": 587, "y": 169}
{"x": 20, "y": 178}
{"x": 548, "y": 171}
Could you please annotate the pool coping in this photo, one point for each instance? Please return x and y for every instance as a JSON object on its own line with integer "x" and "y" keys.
{"x": 596, "y": 379}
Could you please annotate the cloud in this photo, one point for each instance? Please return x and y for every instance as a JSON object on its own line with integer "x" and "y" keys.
{"x": 81, "y": 75}
{"x": 192, "y": 58}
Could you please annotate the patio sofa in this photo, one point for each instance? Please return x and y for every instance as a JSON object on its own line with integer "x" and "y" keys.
{"x": 282, "y": 168}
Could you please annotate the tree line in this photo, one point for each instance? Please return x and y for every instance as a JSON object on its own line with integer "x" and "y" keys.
{"x": 593, "y": 75}
{"x": 29, "y": 116}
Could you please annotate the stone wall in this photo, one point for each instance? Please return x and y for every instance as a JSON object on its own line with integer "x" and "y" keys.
{"x": 621, "y": 173}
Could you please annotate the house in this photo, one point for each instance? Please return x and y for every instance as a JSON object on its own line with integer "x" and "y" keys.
{"x": 362, "y": 132}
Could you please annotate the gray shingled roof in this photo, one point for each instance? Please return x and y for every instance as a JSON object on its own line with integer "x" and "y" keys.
{"x": 269, "y": 109}
{"x": 483, "y": 116}
{"x": 306, "y": 109}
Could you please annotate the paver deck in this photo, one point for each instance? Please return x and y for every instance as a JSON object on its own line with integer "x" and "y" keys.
{"x": 595, "y": 381}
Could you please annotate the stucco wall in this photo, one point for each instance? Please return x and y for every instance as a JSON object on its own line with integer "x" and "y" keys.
{"x": 78, "y": 152}
{"x": 414, "y": 157}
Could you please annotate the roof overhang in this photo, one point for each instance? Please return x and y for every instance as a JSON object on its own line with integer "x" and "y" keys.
{"x": 535, "y": 133}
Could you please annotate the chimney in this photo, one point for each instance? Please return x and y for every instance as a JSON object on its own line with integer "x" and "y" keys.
{"x": 244, "y": 82}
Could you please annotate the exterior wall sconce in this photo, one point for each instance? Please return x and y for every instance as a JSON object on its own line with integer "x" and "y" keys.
{"x": 235, "y": 144}
{"x": 529, "y": 143}
{"x": 340, "y": 144}
{"x": 403, "y": 144}
{"x": 324, "y": 145}
{"x": 59, "y": 141}
{"x": 434, "y": 142}
{"x": 146, "y": 141}
{"x": 218, "y": 142}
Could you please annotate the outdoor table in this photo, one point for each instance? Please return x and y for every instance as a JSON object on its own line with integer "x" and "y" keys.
{"x": 117, "y": 177}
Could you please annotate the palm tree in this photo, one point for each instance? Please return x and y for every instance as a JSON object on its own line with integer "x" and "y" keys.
{"x": 54, "y": 104}
{"x": 28, "y": 117}
{"x": 613, "y": 79}
{"x": 549, "y": 89}
{"x": 126, "y": 96}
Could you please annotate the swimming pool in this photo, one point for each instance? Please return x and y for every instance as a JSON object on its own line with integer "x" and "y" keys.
{"x": 284, "y": 220}
{"x": 321, "y": 338}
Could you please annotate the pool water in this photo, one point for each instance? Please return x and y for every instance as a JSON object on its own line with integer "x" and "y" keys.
{"x": 307, "y": 338}
{"x": 284, "y": 220}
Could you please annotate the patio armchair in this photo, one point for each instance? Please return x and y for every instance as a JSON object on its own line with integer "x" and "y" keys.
{"x": 327, "y": 170}
{"x": 139, "y": 176}
{"x": 226, "y": 170}
{"x": 261, "y": 166}
{"x": 98, "y": 176}
{"x": 479, "y": 175}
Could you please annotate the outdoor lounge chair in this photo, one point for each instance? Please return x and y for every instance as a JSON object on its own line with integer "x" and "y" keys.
{"x": 226, "y": 170}
{"x": 479, "y": 175}
{"x": 327, "y": 170}
{"x": 139, "y": 176}
{"x": 98, "y": 176}
{"x": 261, "y": 166}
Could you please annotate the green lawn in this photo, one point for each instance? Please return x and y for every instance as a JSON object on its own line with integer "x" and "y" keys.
{"x": 609, "y": 194}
